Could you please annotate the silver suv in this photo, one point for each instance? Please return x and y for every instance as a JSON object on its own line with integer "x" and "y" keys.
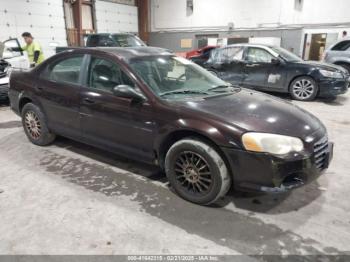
{"x": 339, "y": 54}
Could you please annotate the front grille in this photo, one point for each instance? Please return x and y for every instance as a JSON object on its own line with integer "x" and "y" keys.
{"x": 320, "y": 152}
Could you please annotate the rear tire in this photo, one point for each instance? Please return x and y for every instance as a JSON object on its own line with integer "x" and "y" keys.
{"x": 303, "y": 88}
{"x": 197, "y": 172}
{"x": 35, "y": 127}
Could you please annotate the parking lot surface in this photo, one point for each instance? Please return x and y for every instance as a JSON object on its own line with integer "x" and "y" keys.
{"x": 69, "y": 198}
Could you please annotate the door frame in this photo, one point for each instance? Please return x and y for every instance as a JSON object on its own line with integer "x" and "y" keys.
{"x": 117, "y": 148}
{"x": 246, "y": 62}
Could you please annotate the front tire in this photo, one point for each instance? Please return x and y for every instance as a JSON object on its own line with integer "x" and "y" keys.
{"x": 35, "y": 127}
{"x": 197, "y": 172}
{"x": 303, "y": 88}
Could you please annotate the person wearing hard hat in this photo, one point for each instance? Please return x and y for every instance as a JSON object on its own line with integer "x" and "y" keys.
{"x": 33, "y": 48}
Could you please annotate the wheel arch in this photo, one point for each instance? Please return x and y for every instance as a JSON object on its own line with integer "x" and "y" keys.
{"x": 25, "y": 98}
{"x": 178, "y": 135}
{"x": 22, "y": 102}
{"x": 302, "y": 75}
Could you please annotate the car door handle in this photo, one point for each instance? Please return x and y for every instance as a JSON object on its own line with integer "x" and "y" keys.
{"x": 251, "y": 65}
{"x": 88, "y": 101}
{"x": 39, "y": 88}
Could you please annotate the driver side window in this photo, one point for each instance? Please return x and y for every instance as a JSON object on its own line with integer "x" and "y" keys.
{"x": 105, "y": 75}
{"x": 258, "y": 55}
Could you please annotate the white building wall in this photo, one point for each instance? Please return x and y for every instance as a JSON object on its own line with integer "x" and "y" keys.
{"x": 114, "y": 18}
{"x": 217, "y": 14}
{"x": 43, "y": 18}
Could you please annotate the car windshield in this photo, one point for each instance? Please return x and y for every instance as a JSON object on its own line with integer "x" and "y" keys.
{"x": 174, "y": 77}
{"x": 286, "y": 55}
{"x": 127, "y": 40}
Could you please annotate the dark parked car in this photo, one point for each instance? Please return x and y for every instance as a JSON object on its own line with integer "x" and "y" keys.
{"x": 5, "y": 69}
{"x": 113, "y": 40}
{"x": 152, "y": 106}
{"x": 200, "y": 56}
{"x": 108, "y": 40}
{"x": 275, "y": 69}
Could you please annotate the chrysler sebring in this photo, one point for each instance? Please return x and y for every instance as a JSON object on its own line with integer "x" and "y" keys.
{"x": 153, "y": 106}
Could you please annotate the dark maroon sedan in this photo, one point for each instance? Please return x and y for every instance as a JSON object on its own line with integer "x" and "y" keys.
{"x": 152, "y": 106}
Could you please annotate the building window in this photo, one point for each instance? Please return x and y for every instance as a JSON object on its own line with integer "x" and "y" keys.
{"x": 298, "y": 5}
{"x": 87, "y": 22}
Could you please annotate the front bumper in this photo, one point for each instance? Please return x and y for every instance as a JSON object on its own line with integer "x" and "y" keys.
{"x": 333, "y": 87}
{"x": 266, "y": 173}
{"x": 4, "y": 90}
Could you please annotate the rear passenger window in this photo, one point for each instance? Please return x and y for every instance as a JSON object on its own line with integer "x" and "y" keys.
{"x": 234, "y": 54}
{"x": 342, "y": 46}
{"x": 66, "y": 71}
{"x": 216, "y": 55}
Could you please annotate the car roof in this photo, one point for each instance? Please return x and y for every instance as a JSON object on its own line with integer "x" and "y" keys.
{"x": 339, "y": 41}
{"x": 266, "y": 47}
{"x": 107, "y": 34}
{"x": 125, "y": 53}
{"x": 248, "y": 45}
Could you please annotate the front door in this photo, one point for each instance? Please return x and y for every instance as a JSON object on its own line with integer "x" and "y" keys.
{"x": 58, "y": 89}
{"x": 112, "y": 122}
{"x": 257, "y": 67}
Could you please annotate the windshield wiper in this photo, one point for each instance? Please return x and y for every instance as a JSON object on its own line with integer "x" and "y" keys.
{"x": 219, "y": 87}
{"x": 184, "y": 91}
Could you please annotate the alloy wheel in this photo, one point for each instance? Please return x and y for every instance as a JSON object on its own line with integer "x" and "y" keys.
{"x": 32, "y": 124}
{"x": 303, "y": 89}
{"x": 193, "y": 173}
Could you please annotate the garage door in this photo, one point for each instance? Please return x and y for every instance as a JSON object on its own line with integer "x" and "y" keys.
{"x": 43, "y": 18}
{"x": 114, "y": 18}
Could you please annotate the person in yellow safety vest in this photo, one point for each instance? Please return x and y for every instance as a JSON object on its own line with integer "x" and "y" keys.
{"x": 33, "y": 48}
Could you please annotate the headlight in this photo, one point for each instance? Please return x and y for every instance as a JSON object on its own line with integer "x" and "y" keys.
{"x": 331, "y": 74}
{"x": 271, "y": 143}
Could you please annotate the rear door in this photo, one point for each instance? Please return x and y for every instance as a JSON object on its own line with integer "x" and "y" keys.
{"x": 113, "y": 122}
{"x": 58, "y": 89}
{"x": 228, "y": 64}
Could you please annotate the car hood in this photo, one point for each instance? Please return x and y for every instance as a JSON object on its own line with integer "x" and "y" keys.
{"x": 254, "y": 111}
{"x": 322, "y": 65}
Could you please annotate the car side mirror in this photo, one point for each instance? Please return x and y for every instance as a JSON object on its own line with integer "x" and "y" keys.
{"x": 129, "y": 92}
{"x": 275, "y": 61}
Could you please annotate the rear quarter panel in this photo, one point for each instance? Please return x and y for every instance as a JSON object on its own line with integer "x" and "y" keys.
{"x": 22, "y": 85}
